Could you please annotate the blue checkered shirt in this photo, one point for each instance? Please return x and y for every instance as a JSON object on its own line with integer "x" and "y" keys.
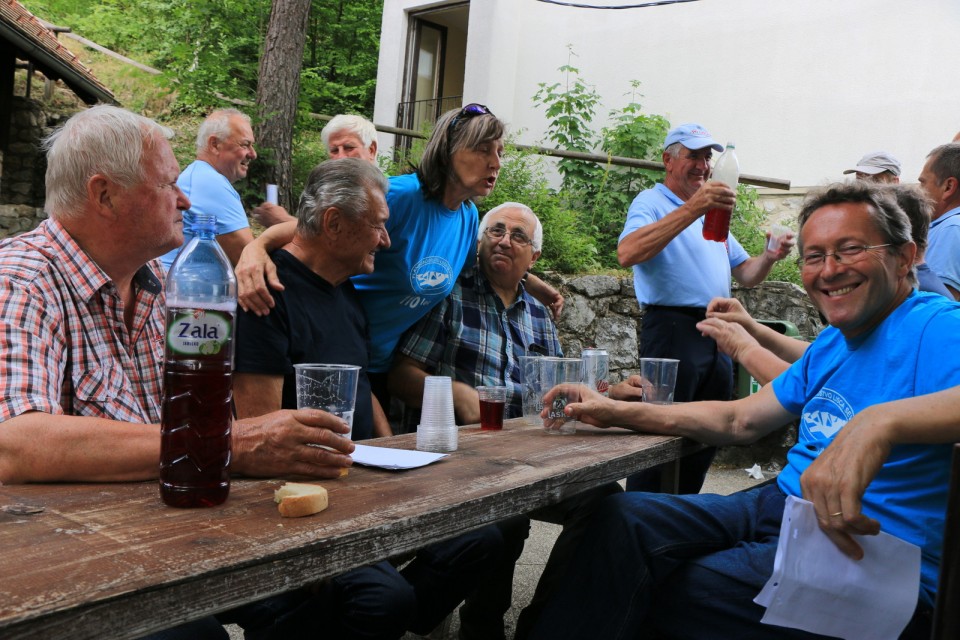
{"x": 474, "y": 339}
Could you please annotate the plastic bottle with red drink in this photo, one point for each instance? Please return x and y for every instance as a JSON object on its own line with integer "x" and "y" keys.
{"x": 716, "y": 223}
{"x": 197, "y": 416}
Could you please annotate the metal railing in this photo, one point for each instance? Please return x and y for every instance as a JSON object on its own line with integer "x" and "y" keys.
{"x": 417, "y": 114}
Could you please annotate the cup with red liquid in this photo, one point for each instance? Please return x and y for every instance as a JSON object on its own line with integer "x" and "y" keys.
{"x": 493, "y": 401}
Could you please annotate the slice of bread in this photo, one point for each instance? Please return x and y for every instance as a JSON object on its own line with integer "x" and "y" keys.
{"x": 296, "y": 499}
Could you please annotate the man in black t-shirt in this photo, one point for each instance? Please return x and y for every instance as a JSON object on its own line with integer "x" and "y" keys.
{"x": 317, "y": 318}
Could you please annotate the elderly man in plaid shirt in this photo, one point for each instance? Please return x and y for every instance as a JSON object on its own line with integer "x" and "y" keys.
{"x": 82, "y": 311}
{"x": 477, "y": 333}
{"x": 476, "y": 336}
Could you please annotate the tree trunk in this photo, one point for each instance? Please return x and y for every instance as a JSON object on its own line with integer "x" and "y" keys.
{"x": 278, "y": 89}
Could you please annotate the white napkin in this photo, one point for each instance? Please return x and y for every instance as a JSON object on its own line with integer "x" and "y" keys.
{"x": 387, "y": 458}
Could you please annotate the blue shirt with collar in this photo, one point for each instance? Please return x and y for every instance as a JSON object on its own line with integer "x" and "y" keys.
{"x": 690, "y": 271}
{"x": 943, "y": 247}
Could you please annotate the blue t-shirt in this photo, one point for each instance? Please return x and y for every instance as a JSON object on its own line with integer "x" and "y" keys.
{"x": 912, "y": 352}
{"x": 690, "y": 271}
{"x": 209, "y": 192}
{"x": 943, "y": 248}
{"x": 429, "y": 246}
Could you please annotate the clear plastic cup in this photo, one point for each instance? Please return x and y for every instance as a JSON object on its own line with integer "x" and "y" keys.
{"x": 438, "y": 428}
{"x": 530, "y": 389}
{"x": 331, "y": 387}
{"x": 777, "y": 233}
{"x": 659, "y": 379}
{"x": 567, "y": 374}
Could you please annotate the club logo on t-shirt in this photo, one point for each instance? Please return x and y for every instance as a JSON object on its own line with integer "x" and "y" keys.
{"x": 432, "y": 276}
{"x": 826, "y": 414}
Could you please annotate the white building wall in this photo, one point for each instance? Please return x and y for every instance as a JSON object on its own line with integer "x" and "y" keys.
{"x": 804, "y": 87}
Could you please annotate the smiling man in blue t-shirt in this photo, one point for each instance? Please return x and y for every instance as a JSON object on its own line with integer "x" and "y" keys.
{"x": 690, "y": 566}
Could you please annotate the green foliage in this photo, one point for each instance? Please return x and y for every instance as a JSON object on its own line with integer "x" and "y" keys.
{"x": 570, "y": 108}
{"x": 213, "y": 47}
{"x": 600, "y": 193}
{"x": 749, "y": 227}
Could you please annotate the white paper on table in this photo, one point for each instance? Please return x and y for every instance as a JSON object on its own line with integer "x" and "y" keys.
{"x": 817, "y": 588}
{"x": 387, "y": 458}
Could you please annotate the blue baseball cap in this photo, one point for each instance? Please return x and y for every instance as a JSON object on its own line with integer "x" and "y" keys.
{"x": 692, "y": 136}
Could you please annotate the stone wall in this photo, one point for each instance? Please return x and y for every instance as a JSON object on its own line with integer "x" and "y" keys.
{"x": 23, "y": 161}
{"x": 602, "y": 311}
{"x": 16, "y": 218}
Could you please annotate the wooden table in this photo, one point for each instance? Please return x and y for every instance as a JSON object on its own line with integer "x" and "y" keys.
{"x": 111, "y": 561}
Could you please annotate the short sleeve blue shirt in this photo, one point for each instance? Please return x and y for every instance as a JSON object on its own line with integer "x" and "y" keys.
{"x": 943, "y": 248}
{"x": 912, "y": 352}
{"x": 690, "y": 271}
{"x": 209, "y": 192}
{"x": 429, "y": 246}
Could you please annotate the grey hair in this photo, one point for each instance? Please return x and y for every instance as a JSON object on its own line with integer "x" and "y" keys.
{"x": 537, "y": 229}
{"x": 104, "y": 140}
{"x": 436, "y": 164}
{"x": 919, "y": 209}
{"x": 881, "y": 204}
{"x": 674, "y": 149}
{"x": 349, "y": 123}
{"x": 347, "y": 184}
{"x": 217, "y": 124}
{"x": 945, "y": 161}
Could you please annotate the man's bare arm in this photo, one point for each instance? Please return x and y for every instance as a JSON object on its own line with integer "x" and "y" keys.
{"x": 649, "y": 240}
{"x": 715, "y": 423}
{"x": 255, "y": 394}
{"x": 41, "y": 447}
{"x": 233, "y": 243}
{"x": 256, "y": 273}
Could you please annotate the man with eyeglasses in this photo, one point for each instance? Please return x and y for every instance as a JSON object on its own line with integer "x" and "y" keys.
{"x": 477, "y": 333}
{"x": 476, "y": 336}
{"x": 676, "y": 272}
{"x": 765, "y": 352}
{"x": 690, "y": 565}
{"x": 224, "y": 153}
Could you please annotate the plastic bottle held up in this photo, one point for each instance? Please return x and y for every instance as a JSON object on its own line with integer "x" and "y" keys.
{"x": 196, "y": 415}
{"x": 716, "y": 223}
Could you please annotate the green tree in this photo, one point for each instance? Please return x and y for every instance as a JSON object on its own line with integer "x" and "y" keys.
{"x": 212, "y": 48}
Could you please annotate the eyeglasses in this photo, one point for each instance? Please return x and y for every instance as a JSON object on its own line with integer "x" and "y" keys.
{"x": 472, "y": 110}
{"x": 849, "y": 254}
{"x": 517, "y": 238}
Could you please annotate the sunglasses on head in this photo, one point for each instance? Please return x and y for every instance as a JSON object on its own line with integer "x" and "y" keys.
{"x": 470, "y": 111}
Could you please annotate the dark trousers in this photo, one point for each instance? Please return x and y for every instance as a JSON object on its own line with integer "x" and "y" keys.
{"x": 378, "y": 601}
{"x": 677, "y": 567}
{"x": 704, "y": 374}
{"x": 481, "y": 616}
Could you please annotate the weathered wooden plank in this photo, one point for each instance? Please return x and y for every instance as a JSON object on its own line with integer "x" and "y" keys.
{"x": 113, "y": 561}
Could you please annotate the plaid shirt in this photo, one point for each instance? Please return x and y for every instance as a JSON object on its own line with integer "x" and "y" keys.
{"x": 64, "y": 346}
{"x": 474, "y": 339}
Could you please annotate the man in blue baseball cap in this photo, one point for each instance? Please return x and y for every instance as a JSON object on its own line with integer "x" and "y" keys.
{"x": 676, "y": 272}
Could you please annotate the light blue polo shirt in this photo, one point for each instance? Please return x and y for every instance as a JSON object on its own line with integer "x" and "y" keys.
{"x": 943, "y": 247}
{"x": 690, "y": 271}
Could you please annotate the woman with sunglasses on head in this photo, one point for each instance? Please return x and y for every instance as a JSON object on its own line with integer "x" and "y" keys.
{"x": 433, "y": 233}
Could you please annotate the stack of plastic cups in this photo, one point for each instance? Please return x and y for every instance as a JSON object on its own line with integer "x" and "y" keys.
{"x": 438, "y": 428}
